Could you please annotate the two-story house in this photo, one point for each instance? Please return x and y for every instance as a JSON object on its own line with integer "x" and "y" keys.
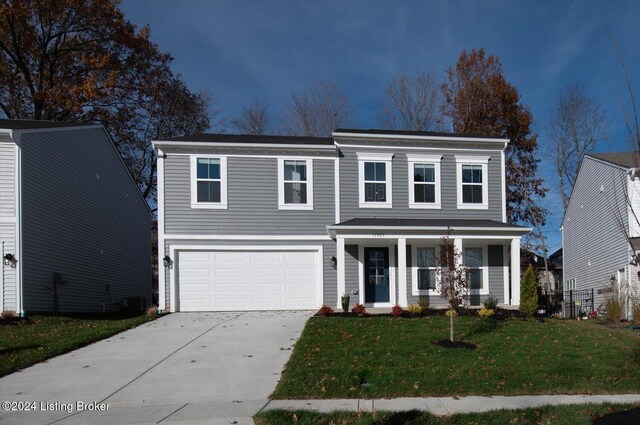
{"x": 601, "y": 226}
{"x": 75, "y": 231}
{"x": 275, "y": 222}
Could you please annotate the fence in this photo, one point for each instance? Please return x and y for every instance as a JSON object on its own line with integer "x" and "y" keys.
{"x": 577, "y": 303}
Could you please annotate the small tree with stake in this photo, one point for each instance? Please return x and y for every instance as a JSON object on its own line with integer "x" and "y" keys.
{"x": 453, "y": 279}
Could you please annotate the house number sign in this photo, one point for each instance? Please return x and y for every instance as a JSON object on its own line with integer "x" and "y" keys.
{"x": 378, "y": 235}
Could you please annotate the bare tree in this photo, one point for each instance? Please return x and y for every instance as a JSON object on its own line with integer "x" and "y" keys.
{"x": 412, "y": 103}
{"x": 252, "y": 119}
{"x": 576, "y": 126}
{"x": 317, "y": 111}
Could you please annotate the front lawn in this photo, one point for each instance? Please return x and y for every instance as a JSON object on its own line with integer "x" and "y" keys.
{"x": 383, "y": 356}
{"x": 576, "y": 414}
{"x": 29, "y": 341}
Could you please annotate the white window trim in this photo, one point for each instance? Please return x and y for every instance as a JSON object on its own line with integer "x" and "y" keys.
{"x": 414, "y": 272}
{"x": 375, "y": 157}
{"x": 484, "y": 268}
{"x": 429, "y": 160}
{"x": 222, "y": 205}
{"x": 281, "y": 203}
{"x": 473, "y": 160}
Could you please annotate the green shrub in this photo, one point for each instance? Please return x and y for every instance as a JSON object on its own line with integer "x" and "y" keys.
{"x": 414, "y": 309}
{"x": 345, "y": 302}
{"x": 423, "y": 302}
{"x": 491, "y": 303}
{"x": 528, "y": 293}
{"x": 613, "y": 309}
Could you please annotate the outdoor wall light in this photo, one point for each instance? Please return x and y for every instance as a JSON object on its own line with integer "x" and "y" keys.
{"x": 334, "y": 262}
{"x": 9, "y": 260}
{"x": 167, "y": 261}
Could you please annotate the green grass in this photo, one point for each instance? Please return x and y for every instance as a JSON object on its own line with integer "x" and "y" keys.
{"x": 26, "y": 342}
{"x": 576, "y": 414}
{"x": 382, "y": 356}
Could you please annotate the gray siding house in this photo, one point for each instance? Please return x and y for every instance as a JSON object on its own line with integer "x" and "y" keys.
{"x": 74, "y": 228}
{"x": 601, "y": 223}
{"x": 276, "y": 222}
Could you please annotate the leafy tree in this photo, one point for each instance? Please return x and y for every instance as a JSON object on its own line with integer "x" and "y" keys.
{"x": 528, "y": 293}
{"x": 453, "y": 280}
{"x": 81, "y": 60}
{"x": 479, "y": 100}
{"x": 317, "y": 111}
{"x": 576, "y": 126}
{"x": 252, "y": 119}
{"x": 412, "y": 103}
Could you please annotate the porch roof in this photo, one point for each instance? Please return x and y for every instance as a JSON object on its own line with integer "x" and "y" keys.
{"x": 359, "y": 226}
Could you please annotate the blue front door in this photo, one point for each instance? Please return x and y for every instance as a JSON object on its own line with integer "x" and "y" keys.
{"x": 376, "y": 275}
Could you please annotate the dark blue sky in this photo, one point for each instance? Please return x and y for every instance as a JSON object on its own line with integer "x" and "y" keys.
{"x": 243, "y": 50}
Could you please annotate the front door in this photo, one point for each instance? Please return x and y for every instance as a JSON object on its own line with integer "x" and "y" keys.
{"x": 376, "y": 275}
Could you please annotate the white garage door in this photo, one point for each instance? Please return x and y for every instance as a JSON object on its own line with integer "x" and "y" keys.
{"x": 248, "y": 280}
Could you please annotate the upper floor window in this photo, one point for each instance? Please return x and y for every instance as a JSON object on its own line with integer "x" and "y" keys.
{"x": 424, "y": 181}
{"x": 295, "y": 184}
{"x": 472, "y": 182}
{"x": 374, "y": 176}
{"x": 208, "y": 181}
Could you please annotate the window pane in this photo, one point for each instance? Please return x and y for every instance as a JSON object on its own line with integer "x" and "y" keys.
{"x": 477, "y": 194}
{"x": 208, "y": 191}
{"x": 381, "y": 171}
{"x": 295, "y": 170}
{"x": 214, "y": 168}
{"x": 375, "y": 192}
{"x": 418, "y": 173}
{"x": 426, "y": 279}
{"x": 203, "y": 168}
{"x": 426, "y": 257}
{"x": 430, "y": 173}
{"x": 295, "y": 193}
{"x": 473, "y": 257}
{"x": 425, "y": 193}
{"x": 475, "y": 279}
{"x": 467, "y": 194}
{"x": 466, "y": 174}
{"x": 477, "y": 173}
{"x": 369, "y": 171}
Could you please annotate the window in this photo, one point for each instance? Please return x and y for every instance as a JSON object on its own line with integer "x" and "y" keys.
{"x": 424, "y": 181}
{"x": 475, "y": 261}
{"x": 295, "y": 184}
{"x": 374, "y": 171}
{"x": 208, "y": 182}
{"x": 426, "y": 268}
{"x": 472, "y": 182}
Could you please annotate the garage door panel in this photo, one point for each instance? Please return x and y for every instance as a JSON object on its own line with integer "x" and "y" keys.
{"x": 246, "y": 280}
{"x": 230, "y": 272}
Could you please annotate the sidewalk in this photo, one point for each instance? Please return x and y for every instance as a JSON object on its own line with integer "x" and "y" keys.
{"x": 447, "y": 405}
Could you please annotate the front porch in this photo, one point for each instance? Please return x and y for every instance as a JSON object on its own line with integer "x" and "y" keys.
{"x": 383, "y": 262}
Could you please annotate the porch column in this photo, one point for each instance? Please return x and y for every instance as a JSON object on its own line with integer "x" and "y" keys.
{"x": 457, "y": 244}
{"x": 402, "y": 272}
{"x": 515, "y": 271}
{"x": 340, "y": 269}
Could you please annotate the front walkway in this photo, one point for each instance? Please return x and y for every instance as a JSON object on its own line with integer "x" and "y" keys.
{"x": 447, "y": 405}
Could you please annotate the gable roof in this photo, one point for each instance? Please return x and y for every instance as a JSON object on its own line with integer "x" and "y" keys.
{"x": 247, "y": 138}
{"x": 11, "y": 124}
{"x": 413, "y": 133}
{"x": 622, "y": 159}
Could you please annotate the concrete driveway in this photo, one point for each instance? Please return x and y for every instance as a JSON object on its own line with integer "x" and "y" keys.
{"x": 185, "y": 368}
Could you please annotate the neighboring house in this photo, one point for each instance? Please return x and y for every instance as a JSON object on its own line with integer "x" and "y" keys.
{"x": 551, "y": 280}
{"x": 603, "y": 212}
{"x": 274, "y": 222}
{"x": 74, "y": 228}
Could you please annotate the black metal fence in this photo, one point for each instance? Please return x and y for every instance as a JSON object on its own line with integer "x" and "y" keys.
{"x": 577, "y": 303}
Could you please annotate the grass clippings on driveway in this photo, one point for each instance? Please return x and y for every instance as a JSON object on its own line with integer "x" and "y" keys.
{"x": 24, "y": 342}
{"x": 575, "y": 414}
{"x": 383, "y": 356}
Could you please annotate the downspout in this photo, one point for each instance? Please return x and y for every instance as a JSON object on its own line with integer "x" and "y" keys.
{"x": 19, "y": 269}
